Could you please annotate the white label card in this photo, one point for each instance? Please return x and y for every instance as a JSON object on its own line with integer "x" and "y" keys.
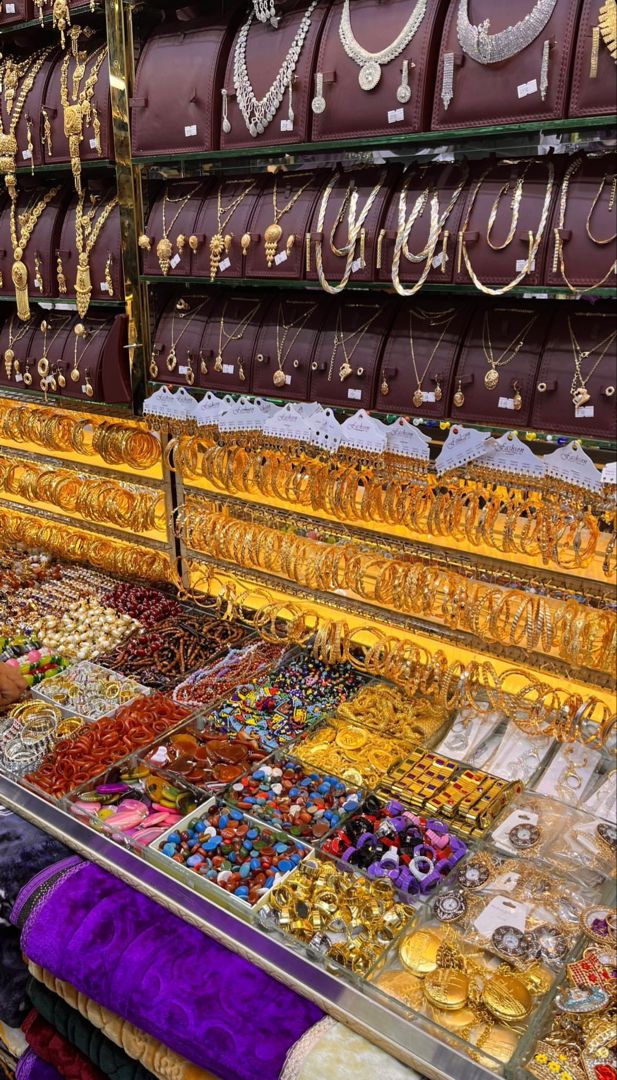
{"x": 104, "y": 287}
{"x": 288, "y": 380}
{"x": 38, "y": 284}
{"x": 505, "y": 403}
{"x": 358, "y": 264}
{"x": 582, "y": 412}
{"x": 522, "y": 264}
{"x": 224, "y": 265}
{"x": 428, "y": 396}
{"x": 437, "y": 261}
{"x": 354, "y": 395}
{"x": 174, "y": 262}
{"x": 524, "y": 89}
{"x": 280, "y": 258}
{"x": 94, "y": 144}
{"x": 26, "y": 154}
{"x": 19, "y": 377}
{"x": 287, "y": 125}
{"x": 9, "y": 9}
{"x": 228, "y": 369}
{"x": 182, "y": 370}
{"x": 396, "y": 116}
{"x": 502, "y": 911}
{"x": 190, "y": 131}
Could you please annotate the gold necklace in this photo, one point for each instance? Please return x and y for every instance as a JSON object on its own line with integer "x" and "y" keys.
{"x": 578, "y": 390}
{"x": 220, "y": 243}
{"x": 445, "y": 321}
{"x": 43, "y": 363}
{"x": 79, "y": 111}
{"x": 437, "y": 224}
{"x": 355, "y": 229}
{"x": 279, "y": 378}
{"x": 164, "y": 248}
{"x": 172, "y": 357}
{"x": 81, "y": 331}
{"x": 274, "y": 232}
{"x": 607, "y": 19}
{"x": 84, "y": 225}
{"x": 19, "y": 241}
{"x": 341, "y": 341}
{"x": 515, "y": 207}
{"x": 236, "y": 335}
{"x": 491, "y": 377}
{"x": 9, "y": 354}
{"x": 11, "y": 73}
{"x": 558, "y": 253}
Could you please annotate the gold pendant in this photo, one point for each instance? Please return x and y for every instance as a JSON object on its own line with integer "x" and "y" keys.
{"x": 345, "y": 371}
{"x": 245, "y": 244}
{"x": 43, "y": 366}
{"x": 580, "y": 397}
{"x": 385, "y": 387}
{"x": 145, "y": 242}
{"x": 272, "y": 237}
{"x": 418, "y": 398}
{"x": 19, "y": 274}
{"x": 459, "y": 397}
{"x": 217, "y": 247}
{"x": 27, "y": 378}
{"x": 83, "y": 285}
{"x": 9, "y": 356}
{"x": 153, "y": 367}
{"x": 172, "y": 359}
{"x": 491, "y": 379}
{"x": 279, "y": 378}
{"x": 61, "y": 380}
{"x": 75, "y": 374}
{"x": 163, "y": 253}
{"x": 218, "y": 363}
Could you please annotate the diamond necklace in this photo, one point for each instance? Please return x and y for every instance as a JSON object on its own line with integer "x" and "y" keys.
{"x": 258, "y": 114}
{"x": 371, "y": 62}
{"x": 487, "y": 48}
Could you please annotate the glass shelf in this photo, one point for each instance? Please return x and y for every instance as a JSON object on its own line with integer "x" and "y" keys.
{"x": 65, "y": 166}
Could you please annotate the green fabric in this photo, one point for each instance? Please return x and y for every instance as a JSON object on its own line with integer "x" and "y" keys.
{"x": 104, "y": 1054}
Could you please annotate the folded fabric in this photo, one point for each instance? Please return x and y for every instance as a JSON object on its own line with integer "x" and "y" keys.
{"x": 13, "y": 1001}
{"x": 12, "y": 1039}
{"x": 32, "y": 1067}
{"x": 166, "y": 977}
{"x": 57, "y": 1051}
{"x": 334, "y": 1051}
{"x": 8, "y": 1064}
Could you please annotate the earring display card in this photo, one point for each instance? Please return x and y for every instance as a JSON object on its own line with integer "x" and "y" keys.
{"x": 176, "y": 342}
{"x": 348, "y": 353}
{"x": 276, "y": 242}
{"x": 583, "y": 251}
{"x": 420, "y": 355}
{"x": 421, "y": 189}
{"x": 267, "y": 90}
{"x": 286, "y": 345}
{"x": 170, "y": 237}
{"x": 496, "y": 374}
{"x": 594, "y": 84}
{"x": 576, "y": 382}
{"x": 504, "y": 63}
{"x": 373, "y": 74}
{"x": 505, "y": 223}
{"x": 228, "y": 344}
{"x": 175, "y": 107}
{"x": 351, "y": 208}
{"x": 223, "y": 228}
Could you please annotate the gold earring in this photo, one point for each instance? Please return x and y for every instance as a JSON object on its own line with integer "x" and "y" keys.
{"x": 203, "y": 363}
{"x": 61, "y": 277}
{"x": 88, "y": 389}
{"x": 438, "y": 390}
{"x": 459, "y": 397}
{"x": 241, "y": 373}
{"x": 108, "y": 277}
{"x": 517, "y": 400}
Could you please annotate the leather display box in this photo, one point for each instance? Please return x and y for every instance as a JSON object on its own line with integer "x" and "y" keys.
{"x": 179, "y": 203}
{"x": 348, "y": 352}
{"x": 238, "y": 199}
{"x": 53, "y": 345}
{"x": 106, "y": 252}
{"x": 594, "y": 77}
{"x": 40, "y": 251}
{"x": 532, "y": 84}
{"x": 586, "y": 261}
{"x": 335, "y": 233}
{"x": 425, "y": 182}
{"x": 101, "y": 107}
{"x": 176, "y": 105}
{"x": 176, "y": 343}
{"x": 228, "y": 342}
{"x": 102, "y": 357}
{"x": 266, "y": 52}
{"x": 427, "y": 332}
{"x": 513, "y": 336}
{"x": 594, "y": 332}
{"x": 269, "y": 255}
{"x": 15, "y": 336}
{"x": 402, "y": 98}
{"x": 496, "y": 234}
{"x": 286, "y": 345}
{"x": 15, "y": 11}
{"x": 31, "y": 115}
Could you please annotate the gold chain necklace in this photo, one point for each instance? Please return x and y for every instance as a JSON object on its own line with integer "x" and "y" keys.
{"x": 221, "y": 243}
{"x": 445, "y": 321}
{"x": 236, "y": 335}
{"x": 80, "y": 331}
{"x": 164, "y": 248}
{"x": 578, "y": 390}
{"x": 274, "y": 232}
{"x": 43, "y": 363}
{"x": 80, "y": 111}
{"x": 8, "y": 140}
{"x": 438, "y": 221}
{"x": 9, "y": 354}
{"x": 491, "y": 377}
{"x": 341, "y": 342}
{"x": 558, "y": 252}
{"x": 19, "y": 241}
{"x": 355, "y": 229}
{"x": 92, "y": 225}
{"x": 279, "y": 377}
{"x": 515, "y": 207}
{"x": 172, "y": 356}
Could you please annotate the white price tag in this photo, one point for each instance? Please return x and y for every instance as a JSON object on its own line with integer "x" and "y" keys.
{"x": 19, "y": 377}
{"x": 174, "y": 262}
{"x": 26, "y": 154}
{"x": 38, "y": 284}
{"x": 437, "y": 261}
{"x": 9, "y": 9}
{"x": 228, "y": 369}
{"x": 354, "y": 395}
{"x": 581, "y": 412}
{"x": 502, "y": 911}
{"x": 396, "y": 116}
{"x": 190, "y": 131}
{"x": 358, "y": 264}
{"x": 104, "y": 287}
{"x": 84, "y": 390}
{"x": 288, "y": 380}
{"x": 224, "y": 265}
{"x": 521, "y": 264}
{"x": 428, "y": 396}
{"x": 505, "y": 403}
{"x": 182, "y": 370}
{"x": 287, "y": 125}
{"x": 524, "y": 89}
{"x": 280, "y": 258}
{"x": 94, "y": 145}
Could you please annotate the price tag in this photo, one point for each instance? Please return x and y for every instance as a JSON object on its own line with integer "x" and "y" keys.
{"x": 182, "y": 370}
{"x": 358, "y": 264}
{"x": 228, "y": 369}
{"x": 84, "y": 390}
{"x": 582, "y": 412}
{"x": 396, "y": 116}
{"x": 502, "y": 911}
{"x": 224, "y": 265}
{"x": 288, "y": 380}
{"x": 521, "y": 264}
{"x": 26, "y": 154}
{"x": 354, "y": 395}
{"x": 280, "y": 258}
{"x": 38, "y": 284}
{"x": 428, "y": 396}
{"x": 525, "y": 89}
{"x": 19, "y": 377}
{"x": 9, "y": 9}
{"x": 94, "y": 144}
{"x": 190, "y": 131}
{"x": 104, "y": 287}
{"x": 505, "y": 403}
{"x": 437, "y": 261}
{"x": 287, "y": 125}
{"x": 174, "y": 262}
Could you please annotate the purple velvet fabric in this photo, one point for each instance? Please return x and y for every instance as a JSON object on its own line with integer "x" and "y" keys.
{"x": 147, "y": 965}
{"x": 31, "y": 1067}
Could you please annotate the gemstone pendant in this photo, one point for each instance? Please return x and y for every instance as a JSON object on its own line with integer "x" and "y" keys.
{"x": 370, "y": 75}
